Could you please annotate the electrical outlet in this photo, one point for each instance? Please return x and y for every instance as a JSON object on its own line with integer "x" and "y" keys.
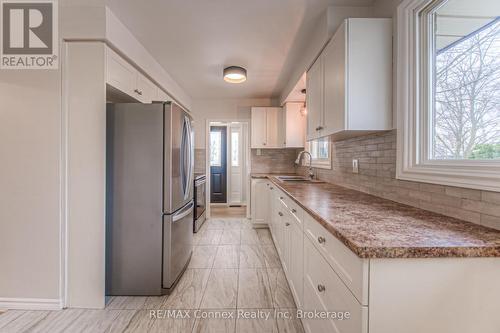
{"x": 355, "y": 166}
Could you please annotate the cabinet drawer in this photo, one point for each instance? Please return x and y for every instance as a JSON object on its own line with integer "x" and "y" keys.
{"x": 350, "y": 268}
{"x": 324, "y": 291}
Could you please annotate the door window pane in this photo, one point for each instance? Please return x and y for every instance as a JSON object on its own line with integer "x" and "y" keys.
{"x": 465, "y": 121}
{"x": 235, "y": 149}
{"x": 215, "y": 148}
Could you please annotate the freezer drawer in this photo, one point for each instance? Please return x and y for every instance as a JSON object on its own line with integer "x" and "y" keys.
{"x": 177, "y": 243}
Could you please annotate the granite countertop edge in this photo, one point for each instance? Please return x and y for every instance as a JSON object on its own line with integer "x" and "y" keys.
{"x": 387, "y": 252}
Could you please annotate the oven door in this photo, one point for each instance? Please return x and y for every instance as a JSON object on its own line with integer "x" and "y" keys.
{"x": 200, "y": 198}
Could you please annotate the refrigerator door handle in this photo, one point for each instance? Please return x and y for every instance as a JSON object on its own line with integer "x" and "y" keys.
{"x": 191, "y": 157}
{"x": 183, "y": 213}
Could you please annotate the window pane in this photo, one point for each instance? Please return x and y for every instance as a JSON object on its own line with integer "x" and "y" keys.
{"x": 215, "y": 148}
{"x": 235, "y": 141}
{"x": 466, "y": 115}
{"x": 320, "y": 149}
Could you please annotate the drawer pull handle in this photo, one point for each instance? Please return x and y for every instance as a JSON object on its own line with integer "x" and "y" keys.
{"x": 294, "y": 210}
{"x": 287, "y": 224}
{"x": 280, "y": 213}
{"x": 321, "y": 240}
{"x": 321, "y": 288}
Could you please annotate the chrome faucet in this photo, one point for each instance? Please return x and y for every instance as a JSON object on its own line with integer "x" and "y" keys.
{"x": 297, "y": 162}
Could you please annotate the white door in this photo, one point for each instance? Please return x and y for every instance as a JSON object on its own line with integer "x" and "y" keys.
{"x": 236, "y": 164}
{"x": 259, "y": 127}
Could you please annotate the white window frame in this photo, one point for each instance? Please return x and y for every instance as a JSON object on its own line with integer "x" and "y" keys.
{"x": 413, "y": 105}
{"x": 319, "y": 163}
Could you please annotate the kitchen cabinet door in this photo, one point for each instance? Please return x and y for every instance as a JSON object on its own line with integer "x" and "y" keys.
{"x": 286, "y": 225}
{"x": 314, "y": 99}
{"x": 162, "y": 96}
{"x": 279, "y": 227}
{"x": 120, "y": 74}
{"x": 259, "y": 127}
{"x": 335, "y": 83}
{"x": 294, "y": 124}
{"x": 260, "y": 201}
{"x": 146, "y": 90}
{"x": 296, "y": 264}
{"x": 274, "y": 135}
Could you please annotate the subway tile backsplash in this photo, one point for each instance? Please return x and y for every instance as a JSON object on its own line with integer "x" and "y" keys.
{"x": 274, "y": 160}
{"x": 377, "y": 176}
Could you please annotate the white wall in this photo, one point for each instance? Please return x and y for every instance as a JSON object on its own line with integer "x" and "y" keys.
{"x": 30, "y": 196}
{"x": 222, "y": 109}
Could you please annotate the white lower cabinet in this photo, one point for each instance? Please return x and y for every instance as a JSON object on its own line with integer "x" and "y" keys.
{"x": 260, "y": 207}
{"x": 316, "y": 286}
{"x": 386, "y": 295}
{"x": 325, "y": 291}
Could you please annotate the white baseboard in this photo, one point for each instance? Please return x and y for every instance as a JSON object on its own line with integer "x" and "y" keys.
{"x": 30, "y": 303}
{"x": 260, "y": 225}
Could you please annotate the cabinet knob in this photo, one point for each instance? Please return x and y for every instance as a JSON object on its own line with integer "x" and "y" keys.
{"x": 321, "y": 239}
{"x": 280, "y": 213}
{"x": 267, "y": 184}
{"x": 263, "y": 143}
{"x": 272, "y": 188}
{"x": 281, "y": 198}
{"x": 138, "y": 91}
{"x": 287, "y": 224}
{"x": 321, "y": 288}
{"x": 294, "y": 210}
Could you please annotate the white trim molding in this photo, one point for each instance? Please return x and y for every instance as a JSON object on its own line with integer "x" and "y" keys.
{"x": 413, "y": 162}
{"x": 31, "y": 303}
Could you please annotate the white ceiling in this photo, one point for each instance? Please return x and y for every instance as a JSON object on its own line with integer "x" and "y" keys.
{"x": 195, "y": 39}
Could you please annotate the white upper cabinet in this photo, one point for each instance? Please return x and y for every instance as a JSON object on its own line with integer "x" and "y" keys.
{"x": 294, "y": 125}
{"x": 349, "y": 87}
{"x": 314, "y": 99}
{"x": 274, "y": 134}
{"x": 162, "y": 96}
{"x": 259, "y": 127}
{"x": 266, "y": 132}
{"x": 122, "y": 76}
{"x": 275, "y": 127}
{"x": 146, "y": 89}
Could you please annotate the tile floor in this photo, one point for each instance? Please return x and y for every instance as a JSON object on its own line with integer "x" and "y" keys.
{"x": 234, "y": 272}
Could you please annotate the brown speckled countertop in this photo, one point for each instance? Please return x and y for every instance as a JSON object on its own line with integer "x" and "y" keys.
{"x": 373, "y": 227}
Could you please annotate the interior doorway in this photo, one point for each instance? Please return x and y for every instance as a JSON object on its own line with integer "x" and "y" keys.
{"x": 227, "y": 163}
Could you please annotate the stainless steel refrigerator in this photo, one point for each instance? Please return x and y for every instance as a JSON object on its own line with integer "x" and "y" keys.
{"x": 149, "y": 208}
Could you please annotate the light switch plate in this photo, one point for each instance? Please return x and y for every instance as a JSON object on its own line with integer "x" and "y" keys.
{"x": 355, "y": 166}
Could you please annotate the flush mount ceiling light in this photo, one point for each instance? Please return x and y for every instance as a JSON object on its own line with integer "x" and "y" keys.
{"x": 235, "y": 74}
